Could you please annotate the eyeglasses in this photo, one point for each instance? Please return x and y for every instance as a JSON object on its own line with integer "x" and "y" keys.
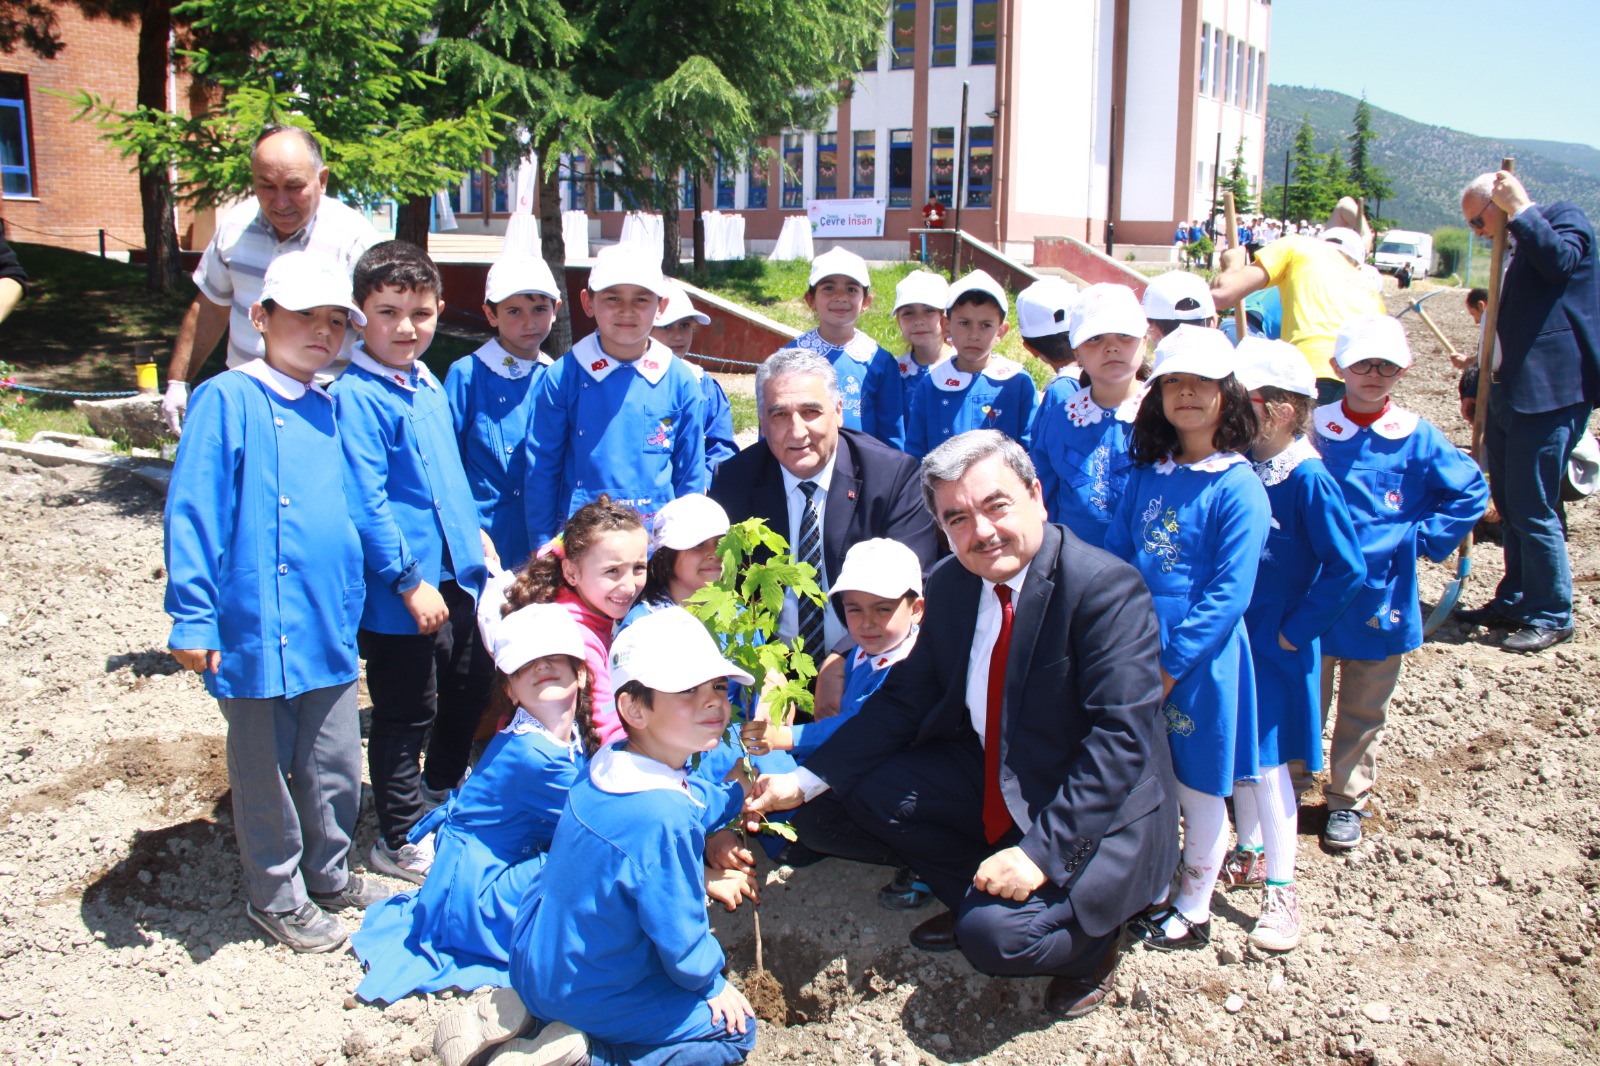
{"x": 1476, "y": 221}
{"x": 1381, "y": 367}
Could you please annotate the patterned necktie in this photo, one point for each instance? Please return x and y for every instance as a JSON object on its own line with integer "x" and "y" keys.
{"x": 996, "y": 818}
{"x": 811, "y": 626}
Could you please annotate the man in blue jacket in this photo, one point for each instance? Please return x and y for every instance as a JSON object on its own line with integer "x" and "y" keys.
{"x": 1545, "y": 382}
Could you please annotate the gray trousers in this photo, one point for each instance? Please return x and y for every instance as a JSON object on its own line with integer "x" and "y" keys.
{"x": 1365, "y": 688}
{"x": 295, "y": 768}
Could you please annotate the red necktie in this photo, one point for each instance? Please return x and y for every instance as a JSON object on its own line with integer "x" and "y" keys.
{"x": 996, "y": 818}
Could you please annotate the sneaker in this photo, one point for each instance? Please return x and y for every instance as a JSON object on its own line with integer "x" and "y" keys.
{"x": 358, "y": 893}
{"x": 409, "y": 862}
{"x": 1244, "y": 869}
{"x": 307, "y": 929}
{"x": 557, "y": 1044}
{"x": 1344, "y": 830}
{"x": 1278, "y": 928}
{"x": 475, "y": 1027}
{"x": 905, "y": 892}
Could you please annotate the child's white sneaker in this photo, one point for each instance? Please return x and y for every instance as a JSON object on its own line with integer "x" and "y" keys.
{"x": 466, "y": 1033}
{"x": 557, "y": 1044}
{"x": 1278, "y": 928}
{"x": 409, "y": 862}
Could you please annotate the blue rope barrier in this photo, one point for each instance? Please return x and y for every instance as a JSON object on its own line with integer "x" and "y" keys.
{"x": 69, "y": 392}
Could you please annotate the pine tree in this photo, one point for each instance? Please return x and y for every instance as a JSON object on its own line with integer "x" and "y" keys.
{"x": 1369, "y": 180}
{"x": 1306, "y": 187}
{"x": 1239, "y": 181}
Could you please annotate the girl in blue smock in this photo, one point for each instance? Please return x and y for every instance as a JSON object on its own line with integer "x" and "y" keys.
{"x": 1194, "y": 521}
{"x": 1310, "y": 571}
{"x": 492, "y": 834}
{"x": 838, "y": 291}
{"x": 919, "y": 302}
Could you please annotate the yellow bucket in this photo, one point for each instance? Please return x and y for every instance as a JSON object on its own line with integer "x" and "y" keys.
{"x": 149, "y": 377}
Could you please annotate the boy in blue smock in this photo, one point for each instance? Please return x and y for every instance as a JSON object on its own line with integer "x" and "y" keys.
{"x": 973, "y": 389}
{"x": 491, "y": 398}
{"x": 675, "y": 324}
{"x": 426, "y": 667}
{"x": 617, "y": 946}
{"x": 619, "y": 414}
{"x": 1410, "y": 492}
{"x": 839, "y": 289}
{"x": 264, "y": 589}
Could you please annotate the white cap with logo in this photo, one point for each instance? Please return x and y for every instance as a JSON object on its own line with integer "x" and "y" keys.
{"x": 839, "y": 261}
{"x": 300, "y": 281}
{"x": 688, "y": 522}
{"x": 1371, "y": 337}
{"x": 669, "y": 651}
{"x": 977, "y": 281}
{"x": 677, "y": 306}
{"x": 1107, "y": 308}
{"x": 1044, "y": 308}
{"x": 922, "y": 287}
{"x": 627, "y": 264}
{"x": 1198, "y": 350}
{"x": 520, "y": 273}
{"x": 879, "y": 567}
{"x": 1179, "y": 295}
{"x": 1265, "y": 363}
{"x": 533, "y": 632}
{"x": 1347, "y": 241}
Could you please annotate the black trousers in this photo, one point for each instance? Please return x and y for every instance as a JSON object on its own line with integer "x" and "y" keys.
{"x": 438, "y": 681}
{"x": 926, "y": 805}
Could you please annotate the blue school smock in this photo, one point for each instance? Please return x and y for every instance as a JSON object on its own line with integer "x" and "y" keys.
{"x": 492, "y": 835}
{"x": 1196, "y": 533}
{"x": 491, "y": 404}
{"x": 408, "y": 491}
{"x": 1080, "y": 451}
{"x": 869, "y": 382}
{"x": 720, "y": 445}
{"x": 617, "y": 943}
{"x": 1310, "y": 571}
{"x": 863, "y": 675}
{"x": 263, "y": 562}
{"x": 635, "y": 430}
{"x": 951, "y": 401}
{"x": 1410, "y": 492}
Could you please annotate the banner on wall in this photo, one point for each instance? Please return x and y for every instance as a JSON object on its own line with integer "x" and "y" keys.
{"x": 846, "y": 218}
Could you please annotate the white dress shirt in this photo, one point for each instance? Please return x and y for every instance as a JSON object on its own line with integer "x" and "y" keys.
{"x": 789, "y": 617}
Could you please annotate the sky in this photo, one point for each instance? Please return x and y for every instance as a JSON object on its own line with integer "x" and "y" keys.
{"x": 1521, "y": 69}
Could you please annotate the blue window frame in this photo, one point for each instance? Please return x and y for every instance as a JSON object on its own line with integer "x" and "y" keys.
{"x": 827, "y": 187}
{"x": 576, "y": 186}
{"x": 864, "y": 172}
{"x": 16, "y": 161}
{"x": 980, "y": 166}
{"x": 942, "y": 164}
{"x": 794, "y": 169}
{"x": 727, "y": 179}
{"x": 985, "y": 31}
{"x": 755, "y": 195}
{"x": 903, "y": 35}
{"x": 900, "y": 164}
{"x": 945, "y": 18}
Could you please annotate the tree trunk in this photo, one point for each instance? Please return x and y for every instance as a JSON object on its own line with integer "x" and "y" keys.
{"x": 699, "y": 230}
{"x": 163, "y": 267}
{"x": 411, "y": 222}
{"x": 671, "y": 234}
{"x": 553, "y": 244}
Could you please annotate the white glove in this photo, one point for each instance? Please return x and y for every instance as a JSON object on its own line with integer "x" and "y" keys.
{"x": 174, "y": 404}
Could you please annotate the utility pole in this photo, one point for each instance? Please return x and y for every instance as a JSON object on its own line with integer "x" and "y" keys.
{"x": 960, "y": 185}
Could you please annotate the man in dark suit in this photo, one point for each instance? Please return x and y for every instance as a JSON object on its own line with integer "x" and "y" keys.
{"x": 1546, "y": 381}
{"x": 1017, "y": 758}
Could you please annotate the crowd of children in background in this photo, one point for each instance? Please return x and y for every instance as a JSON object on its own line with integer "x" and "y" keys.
{"x": 510, "y": 551}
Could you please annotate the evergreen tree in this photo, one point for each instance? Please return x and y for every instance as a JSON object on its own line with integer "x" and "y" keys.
{"x": 1308, "y": 197}
{"x": 1239, "y": 181}
{"x": 1367, "y": 180}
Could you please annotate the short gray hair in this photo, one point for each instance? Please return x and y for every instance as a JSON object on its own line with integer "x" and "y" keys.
{"x": 312, "y": 147}
{"x": 951, "y": 460}
{"x": 791, "y": 362}
{"x": 1479, "y": 188}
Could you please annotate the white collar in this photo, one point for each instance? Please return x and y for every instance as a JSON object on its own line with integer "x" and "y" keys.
{"x": 823, "y": 478}
{"x": 1083, "y": 411}
{"x": 523, "y": 722}
{"x": 511, "y": 367}
{"x": 947, "y": 378}
{"x": 890, "y": 657}
{"x": 279, "y": 382}
{"x": 1273, "y": 471}
{"x": 1214, "y": 463}
{"x": 621, "y": 772}
{"x": 1014, "y": 584}
{"x": 1071, "y": 370}
{"x": 421, "y": 375}
{"x": 910, "y": 368}
{"x": 1396, "y": 424}
{"x": 652, "y": 365}
{"x": 861, "y": 347}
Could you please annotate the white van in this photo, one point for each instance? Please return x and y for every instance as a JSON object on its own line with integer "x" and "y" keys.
{"x": 1401, "y": 246}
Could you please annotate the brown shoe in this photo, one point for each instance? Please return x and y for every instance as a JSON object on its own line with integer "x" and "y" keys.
{"x": 936, "y": 934}
{"x": 1073, "y": 997}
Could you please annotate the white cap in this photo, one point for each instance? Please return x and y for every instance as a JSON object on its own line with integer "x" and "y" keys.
{"x": 533, "y": 632}
{"x": 977, "y": 281}
{"x": 922, "y": 287}
{"x": 879, "y": 567}
{"x": 1347, "y": 241}
{"x": 1371, "y": 337}
{"x": 844, "y": 263}
{"x": 669, "y": 650}
{"x": 520, "y": 273}
{"x": 627, "y": 264}
{"x": 1107, "y": 308}
{"x": 303, "y": 280}
{"x": 677, "y": 306}
{"x": 1045, "y": 307}
{"x": 1275, "y": 364}
{"x": 1198, "y": 350}
{"x": 1180, "y": 295}
{"x": 688, "y": 522}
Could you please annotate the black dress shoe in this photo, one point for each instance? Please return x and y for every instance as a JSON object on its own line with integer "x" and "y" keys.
{"x": 1150, "y": 930}
{"x": 936, "y": 934}
{"x": 1073, "y": 997}
{"x": 1530, "y": 639}
{"x": 1488, "y": 616}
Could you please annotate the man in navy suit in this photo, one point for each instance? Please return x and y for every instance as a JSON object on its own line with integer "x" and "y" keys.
{"x": 1017, "y": 758}
{"x": 1545, "y": 382}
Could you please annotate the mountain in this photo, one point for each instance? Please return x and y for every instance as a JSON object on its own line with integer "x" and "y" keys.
{"x": 1428, "y": 165}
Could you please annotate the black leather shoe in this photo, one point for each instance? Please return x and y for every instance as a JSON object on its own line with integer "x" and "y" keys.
{"x": 1488, "y": 616}
{"x": 1073, "y": 997}
{"x": 1530, "y": 639}
{"x": 1151, "y": 931}
{"x": 936, "y": 934}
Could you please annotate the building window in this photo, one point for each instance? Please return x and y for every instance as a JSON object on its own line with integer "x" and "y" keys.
{"x": 685, "y": 190}
{"x": 903, "y": 36}
{"x": 1205, "y": 55}
{"x": 985, "y": 30}
{"x": 1216, "y": 63}
{"x": 1261, "y": 81}
{"x": 794, "y": 169}
{"x": 1227, "y": 74}
{"x": 726, "y": 178}
{"x": 900, "y": 164}
{"x": 864, "y": 183}
{"x": 1238, "y": 74}
{"x": 980, "y": 166}
{"x": 575, "y": 184}
{"x": 606, "y": 199}
{"x": 16, "y": 162}
{"x": 942, "y": 165}
{"x": 944, "y": 33}
{"x": 827, "y": 166}
{"x": 756, "y": 186}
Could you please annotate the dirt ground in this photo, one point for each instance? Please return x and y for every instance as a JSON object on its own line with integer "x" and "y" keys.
{"x": 1463, "y": 931}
